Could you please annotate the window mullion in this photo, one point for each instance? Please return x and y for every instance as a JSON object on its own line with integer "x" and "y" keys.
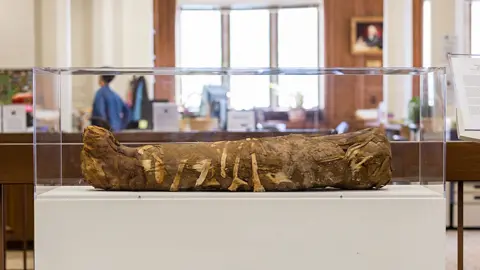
{"x": 273, "y": 58}
{"x": 320, "y": 59}
{"x": 225, "y": 18}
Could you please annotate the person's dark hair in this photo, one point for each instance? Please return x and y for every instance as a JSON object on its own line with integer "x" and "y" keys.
{"x": 107, "y": 78}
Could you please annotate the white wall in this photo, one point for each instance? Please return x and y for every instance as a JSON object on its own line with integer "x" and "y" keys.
{"x": 33, "y": 33}
{"x": 448, "y": 18}
{"x": 82, "y": 91}
{"x": 397, "y": 52}
{"x": 116, "y": 33}
{"x": 53, "y": 26}
{"x": 17, "y": 33}
{"x": 442, "y": 24}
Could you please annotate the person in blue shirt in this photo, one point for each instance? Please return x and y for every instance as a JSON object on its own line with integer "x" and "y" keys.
{"x": 109, "y": 110}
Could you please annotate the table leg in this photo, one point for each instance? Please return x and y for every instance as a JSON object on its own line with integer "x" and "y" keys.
{"x": 3, "y": 259}
{"x": 24, "y": 227}
{"x": 460, "y": 226}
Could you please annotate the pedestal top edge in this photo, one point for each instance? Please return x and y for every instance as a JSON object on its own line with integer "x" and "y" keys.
{"x": 89, "y": 193}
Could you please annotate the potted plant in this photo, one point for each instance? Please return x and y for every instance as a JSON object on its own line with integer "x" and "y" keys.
{"x": 414, "y": 110}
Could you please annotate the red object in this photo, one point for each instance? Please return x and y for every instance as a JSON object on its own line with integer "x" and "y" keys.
{"x": 22, "y": 98}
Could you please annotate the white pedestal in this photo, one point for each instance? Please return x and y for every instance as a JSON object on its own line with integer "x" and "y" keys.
{"x": 399, "y": 228}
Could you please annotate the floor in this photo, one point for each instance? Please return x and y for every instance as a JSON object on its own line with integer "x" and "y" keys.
{"x": 471, "y": 243}
{"x": 472, "y": 249}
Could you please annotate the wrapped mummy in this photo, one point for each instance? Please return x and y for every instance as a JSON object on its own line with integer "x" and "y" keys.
{"x": 357, "y": 160}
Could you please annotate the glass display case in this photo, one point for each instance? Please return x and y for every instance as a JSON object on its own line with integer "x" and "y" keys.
{"x": 159, "y": 113}
{"x": 132, "y": 173}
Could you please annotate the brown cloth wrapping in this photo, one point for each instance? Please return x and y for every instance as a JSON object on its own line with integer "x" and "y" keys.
{"x": 358, "y": 160}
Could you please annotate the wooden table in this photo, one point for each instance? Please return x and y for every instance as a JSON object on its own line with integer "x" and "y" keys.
{"x": 460, "y": 225}
{"x": 462, "y": 162}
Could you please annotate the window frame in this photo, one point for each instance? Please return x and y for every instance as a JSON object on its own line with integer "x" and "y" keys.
{"x": 179, "y": 90}
{"x": 274, "y": 56}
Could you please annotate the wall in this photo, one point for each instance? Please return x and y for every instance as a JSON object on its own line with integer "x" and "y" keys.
{"x": 345, "y": 94}
{"x": 17, "y": 34}
{"x": 117, "y": 33}
{"x": 447, "y": 17}
{"x": 36, "y": 33}
{"x": 82, "y": 91}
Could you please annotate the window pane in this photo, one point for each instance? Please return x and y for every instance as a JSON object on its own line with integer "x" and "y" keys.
{"x": 200, "y": 46}
{"x": 298, "y": 37}
{"x": 475, "y": 27}
{"x": 427, "y": 34}
{"x": 427, "y": 47}
{"x": 249, "y": 47}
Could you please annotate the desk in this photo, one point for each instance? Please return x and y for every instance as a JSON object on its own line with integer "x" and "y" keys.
{"x": 462, "y": 161}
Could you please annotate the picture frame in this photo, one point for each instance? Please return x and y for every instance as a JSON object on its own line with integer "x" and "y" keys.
{"x": 367, "y": 35}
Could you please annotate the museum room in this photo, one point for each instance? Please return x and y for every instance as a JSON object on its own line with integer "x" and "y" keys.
{"x": 304, "y": 134}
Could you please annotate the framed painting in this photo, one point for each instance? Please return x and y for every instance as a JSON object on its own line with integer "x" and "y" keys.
{"x": 367, "y": 35}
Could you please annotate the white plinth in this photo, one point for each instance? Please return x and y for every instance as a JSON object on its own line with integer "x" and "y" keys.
{"x": 399, "y": 228}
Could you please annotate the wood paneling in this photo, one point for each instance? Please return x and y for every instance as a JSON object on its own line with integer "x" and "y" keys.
{"x": 16, "y": 163}
{"x": 18, "y": 209}
{"x": 417, "y": 42}
{"x": 345, "y": 94}
{"x": 462, "y": 161}
{"x": 164, "y": 19}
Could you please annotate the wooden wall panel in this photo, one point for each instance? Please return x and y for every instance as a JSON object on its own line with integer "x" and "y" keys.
{"x": 417, "y": 42}
{"x": 345, "y": 94}
{"x": 164, "y": 20}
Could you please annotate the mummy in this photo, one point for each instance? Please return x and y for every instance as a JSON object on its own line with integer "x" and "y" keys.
{"x": 358, "y": 160}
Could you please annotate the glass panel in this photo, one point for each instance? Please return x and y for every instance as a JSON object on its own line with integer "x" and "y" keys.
{"x": 200, "y": 47}
{"x": 47, "y": 136}
{"x": 411, "y": 71}
{"x": 58, "y": 154}
{"x": 432, "y": 131}
{"x": 298, "y": 47}
{"x": 249, "y": 47}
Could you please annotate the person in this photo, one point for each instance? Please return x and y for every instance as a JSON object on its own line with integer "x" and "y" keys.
{"x": 373, "y": 39}
{"x": 109, "y": 110}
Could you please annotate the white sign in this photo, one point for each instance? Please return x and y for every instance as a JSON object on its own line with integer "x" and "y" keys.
{"x": 241, "y": 121}
{"x": 466, "y": 78}
{"x": 166, "y": 117}
{"x": 14, "y": 118}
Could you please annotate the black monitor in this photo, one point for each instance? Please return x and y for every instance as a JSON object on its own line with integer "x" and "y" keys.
{"x": 215, "y": 104}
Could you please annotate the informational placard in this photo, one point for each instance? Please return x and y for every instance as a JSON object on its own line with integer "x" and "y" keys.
{"x": 241, "y": 121}
{"x": 466, "y": 78}
{"x": 166, "y": 117}
{"x": 14, "y": 118}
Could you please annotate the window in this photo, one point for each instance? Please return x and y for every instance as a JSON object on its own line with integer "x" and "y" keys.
{"x": 427, "y": 48}
{"x": 252, "y": 38}
{"x": 298, "y": 49}
{"x": 249, "y": 48}
{"x": 200, "y": 47}
{"x": 427, "y": 34}
{"x": 475, "y": 27}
